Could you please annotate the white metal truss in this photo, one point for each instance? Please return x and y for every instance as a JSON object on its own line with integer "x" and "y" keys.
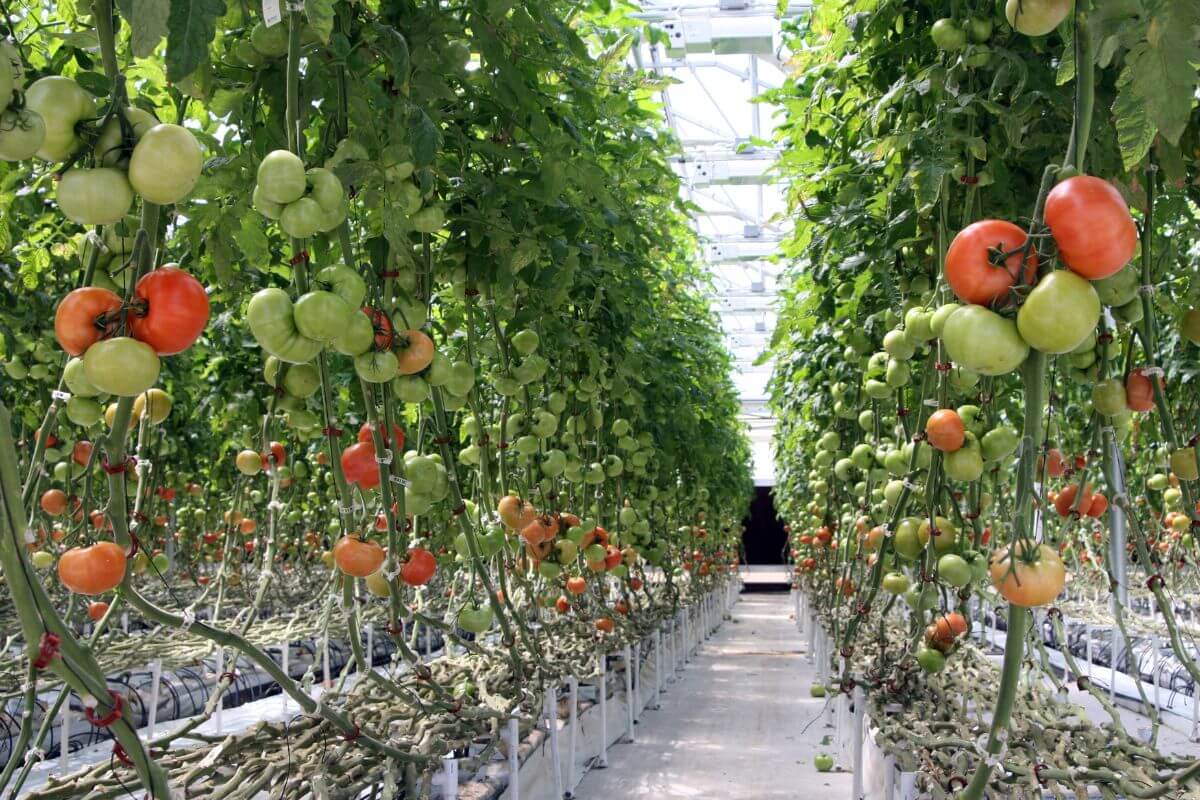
{"x": 722, "y": 54}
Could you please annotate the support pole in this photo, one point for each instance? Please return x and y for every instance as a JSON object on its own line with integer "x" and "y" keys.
{"x": 573, "y": 734}
{"x": 856, "y": 747}
{"x": 627, "y": 655}
{"x": 551, "y": 715}
{"x": 155, "y": 680}
{"x": 514, "y": 758}
{"x": 602, "y": 670}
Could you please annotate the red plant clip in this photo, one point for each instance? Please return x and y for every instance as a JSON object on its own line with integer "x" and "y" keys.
{"x": 1037, "y": 771}
{"x": 439, "y": 440}
{"x": 389, "y": 273}
{"x": 134, "y": 545}
{"x": 124, "y": 466}
{"x": 458, "y": 512}
{"x": 332, "y": 431}
{"x": 47, "y": 650}
{"x": 228, "y": 676}
{"x": 120, "y": 754}
{"x": 300, "y": 258}
{"x": 110, "y": 717}
{"x": 943, "y": 366}
{"x": 352, "y": 734}
{"x": 969, "y": 180}
{"x": 1154, "y": 580}
{"x": 956, "y": 779}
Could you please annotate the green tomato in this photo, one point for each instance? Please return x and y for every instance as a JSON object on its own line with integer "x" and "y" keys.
{"x": 910, "y": 538}
{"x": 1036, "y": 17}
{"x": 966, "y": 463}
{"x": 898, "y": 345}
{"x": 918, "y": 324}
{"x": 823, "y": 762}
{"x": 816, "y": 690}
{"x": 321, "y": 315}
{"x": 100, "y": 196}
{"x": 281, "y": 178}
{"x": 954, "y": 570}
{"x": 166, "y": 164}
{"x": 22, "y": 133}
{"x": 1183, "y": 464}
{"x": 1121, "y": 288}
{"x": 357, "y": 337}
{"x": 121, "y": 366}
{"x": 1189, "y": 326}
{"x": 948, "y": 36}
{"x": 983, "y": 341}
{"x": 301, "y": 218}
{"x": 475, "y": 619}
{"x": 937, "y": 321}
{"x": 895, "y": 583}
{"x": 461, "y": 379}
{"x": 1060, "y": 313}
{"x": 999, "y": 443}
{"x": 931, "y": 660}
{"x": 377, "y": 367}
{"x": 554, "y": 463}
{"x": 411, "y": 388}
{"x": 271, "y": 318}
{"x": 76, "y": 379}
{"x": 330, "y": 195}
{"x": 428, "y": 220}
{"x": 42, "y": 560}
{"x": 271, "y": 42}
{"x": 84, "y": 411}
{"x": 525, "y": 341}
{"x": 62, "y": 104}
{"x": 343, "y": 281}
{"x": 1108, "y": 396}
{"x": 421, "y": 472}
{"x": 1131, "y": 313}
{"x": 980, "y": 29}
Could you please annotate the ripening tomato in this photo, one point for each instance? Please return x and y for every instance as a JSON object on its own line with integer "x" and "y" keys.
{"x": 1056, "y": 465}
{"x": 604, "y": 625}
{"x": 541, "y": 529}
{"x": 356, "y": 557}
{"x": 419, "y": 567}
{"x": 84, "y": 317}
{"x": 1091, "y": 225}
{"x": 973, "y": 269}
{"x": 366, "y": 436}
{"x": 1098, "y": 505}
{"x": 92, "y": 570}
{"x": 945, "y": 430}
{"x": 170, "y": 310}
{"x": 562, "y": 604}
{"x": 1028, "y": 584}
{"x": 946, "y": 629}
{"x": 359, "y": 466}
{"x": 414, "y": 351}
{"x": 1139, "y": 391}
{"x": 54, "y": 502}
{"x": 96, "y": 610}
{"x": 277, "y": 456}
{"x": 81, "y": 453}
{"x": 1069, "y": 502}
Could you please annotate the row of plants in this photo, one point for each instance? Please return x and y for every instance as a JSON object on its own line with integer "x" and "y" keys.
{"x": 987, "y": 353}
{"x": 393, "y": 303}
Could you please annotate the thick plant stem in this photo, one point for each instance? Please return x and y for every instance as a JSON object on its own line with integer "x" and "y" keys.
{"x": 1010, "y": 674}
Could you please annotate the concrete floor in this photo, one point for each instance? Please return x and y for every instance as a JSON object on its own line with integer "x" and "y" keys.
{"x": 732, "y": 727}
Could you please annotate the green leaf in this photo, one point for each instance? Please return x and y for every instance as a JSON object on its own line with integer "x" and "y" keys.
{"x": 320, "y": 17}
{"x": 1161, "y": 71}
{"x": 251, "y": 241}
{"x": 148, "y": 23}
{"x": 425, "y": 136}
{"x": 1135, "y": 130}
{"x": 191, "y": 25}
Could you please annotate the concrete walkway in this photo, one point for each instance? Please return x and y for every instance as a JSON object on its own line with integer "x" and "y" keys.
{"x": 732, "y": 727}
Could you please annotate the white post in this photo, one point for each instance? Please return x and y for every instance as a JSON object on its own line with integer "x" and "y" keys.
{"x": 64, "y": 735}
{"x": 514, "y": 758}
{"x": 429, "y": 642}
{"x": 602, "y": 670}
{"x": 1087, "y": 631}
{"x": 658, "y": 664}
{"x": 1154, "y": 672}
{"x": 449, "y": 776}
{"x": 125, "y": 622}
{"x": 889, "y": 778}
{"x": 285, "y": 650}
{"x": 856, "y": 747}
{"x": 325, "y": 661}
{"x": 637, "y": 679}
{"x": 217, "y": 685}
{"x": 370, "y": 645}
{"x": 573, "y": 726}
{"x": 1196, "y": 712}
{"x": 812, "y": 633}
{"x": 627, "y": 656}
{"x": 908, "y": 786}
{"x": 155, "y": 680}
{"x": 1112, "y": 664}
{"x": 551, "y": 714}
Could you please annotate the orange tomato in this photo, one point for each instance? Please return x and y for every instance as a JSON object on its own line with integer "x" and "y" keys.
{"x": 92, "y": 570}
{"x": 945, "y": 430}
{"x": 1028, "y": 584}
{"x": 356, "y": 557}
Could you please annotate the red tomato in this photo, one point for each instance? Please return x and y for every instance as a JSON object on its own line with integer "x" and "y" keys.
{"x": 170, "y": 310}
{"x": 92, "y": 570}
{"x": 385, "y": 334}
{"x": 1065, "y": 504}
{"x": 969, "y": 269}
{"x": 81, "y": 452}
{"x": 277, "y": 454}
{"x": 419, "y": 567}
{"x": 358, "y": 464}
{"x": 54, "y": 502}
{"x": 1139, "y": 391}
{"x": 84, "y": 317}
{"x": 96, "y": 610}
{"x": 945, "y": 430}
{"x": 1055, "y": 465}
{"x": 1099, "y": 505}
{"x": 397, "y": 436}
{"x": 576, "y": 585}
{"x": 1091, "y": 225}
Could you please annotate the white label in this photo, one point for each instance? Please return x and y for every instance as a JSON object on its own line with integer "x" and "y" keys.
{"x": 396, "y": 479}
{"x": 271, "y": 13}
{"x": 58, "y": 395}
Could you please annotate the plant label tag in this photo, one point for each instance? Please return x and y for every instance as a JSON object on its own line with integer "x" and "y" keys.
{"x": 271, "y": 13}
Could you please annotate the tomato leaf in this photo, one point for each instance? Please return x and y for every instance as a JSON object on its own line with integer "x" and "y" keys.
{"x": 1160, "y": 67}
{"x": 147, "y": 22}
{"x": 1135, "y": 131}
{"x": 320, "y": 17}
{"x": 425, "y": 137}
{"x": 192, "y": 24}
